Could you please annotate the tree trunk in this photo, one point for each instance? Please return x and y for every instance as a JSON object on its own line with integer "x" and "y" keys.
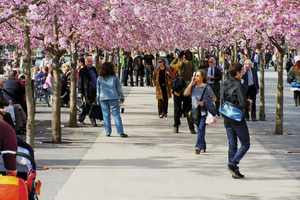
{"x": 56, "y": 118}
{"x": 261, "y": 113}
{"x": 235, "y": 52}
{"x": 118, "y": 62}
{"x": 198, "y": 52}
{"x": 73, "y": 99}
{"x": 279, "y": 106}
{"x": 97, "y": 65}
{"x": 28, "y": 88}
{"x": 105, "y": 56}
{"x": 232, "y": 53}
{"x": 111, "y": 56}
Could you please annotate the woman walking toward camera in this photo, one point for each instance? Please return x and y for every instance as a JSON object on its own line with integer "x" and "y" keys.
{"x": 109, "y": 92}
{"x": 197, "y": 86}
{"x": 161, "y": 79}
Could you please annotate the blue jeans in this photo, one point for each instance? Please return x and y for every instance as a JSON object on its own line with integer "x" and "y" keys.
{"x": 114, "y": 106}
{"x": 235, "y": 131}
{"x": 149, "y": 73}
{"x": 200, "y": 143}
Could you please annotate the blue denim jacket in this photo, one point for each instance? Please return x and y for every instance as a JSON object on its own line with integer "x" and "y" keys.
{"x": 109, "y": 89}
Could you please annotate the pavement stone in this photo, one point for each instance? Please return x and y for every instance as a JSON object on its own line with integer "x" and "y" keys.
{"x": 154, "y": 163}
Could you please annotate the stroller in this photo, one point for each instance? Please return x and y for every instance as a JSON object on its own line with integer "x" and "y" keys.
{"x": 28, "y": 188}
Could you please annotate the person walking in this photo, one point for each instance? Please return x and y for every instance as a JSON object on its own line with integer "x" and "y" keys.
{"x": 163, "y": 91}
{"x": 197, "y": 86}
{"x": 214, "y": 76}
{"x": 251, "y": 88}
{"x": 233, "y": 91}
{"x": 138, "y": 67}
{"x": 149, "y": 64}
{"x": 87, "y": 89}
{"x": 109, "y": 92}
{"x": 186, "y": 73}
{"x": 295, "y": 85}
{"x": 128, "y": 69}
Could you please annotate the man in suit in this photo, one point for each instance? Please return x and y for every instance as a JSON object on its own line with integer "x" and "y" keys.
{"x": 87, "y": 88}
{"x": 251, "y": 87}
{"x": 214, "y": 76}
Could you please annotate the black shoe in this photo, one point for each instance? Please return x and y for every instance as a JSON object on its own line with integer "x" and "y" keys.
{"x": 108, "y": 135}
{"x": 94, "y": 124}
{"x": 123, "y": 135}
{"x": 254, "y": 119}
{"x": 81, "y": 122}
{"x": 218, "y": 113}
{"x": 247, "y": 119}
{"x": 20, "y": 132}
{"x": 234, "y": 171}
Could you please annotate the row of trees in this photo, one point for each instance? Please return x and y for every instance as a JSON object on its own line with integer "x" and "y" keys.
{"x": 69, "y": 25}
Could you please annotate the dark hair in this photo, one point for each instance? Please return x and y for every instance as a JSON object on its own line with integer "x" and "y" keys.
{"x": 188, "y": 55}
{"x": 12, "y": 74}
{"x": 107, "y": 69}
{"x": 203, "y": 74}
{"x": 180, "y": 55}
{"x": 234, "y": 68}
{"x": 82, "y": 60}
{"x": 228, "y": 52}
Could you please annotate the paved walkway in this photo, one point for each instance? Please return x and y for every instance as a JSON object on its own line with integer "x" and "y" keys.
{"x": 154, "y": 163}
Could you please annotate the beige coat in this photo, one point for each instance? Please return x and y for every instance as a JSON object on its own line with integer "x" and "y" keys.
{"x": 155, "y": 81}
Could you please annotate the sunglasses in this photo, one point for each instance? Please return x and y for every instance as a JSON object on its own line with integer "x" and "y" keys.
{"x": 159, "y": 62}
{"x": 211, "y": 61}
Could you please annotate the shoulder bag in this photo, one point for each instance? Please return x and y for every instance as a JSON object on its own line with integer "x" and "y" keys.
{"x": 231, "y": 112}
{"x": 194, "y": 115}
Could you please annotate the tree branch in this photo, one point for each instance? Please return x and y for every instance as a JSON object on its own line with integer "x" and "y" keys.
{"x": 20, "y": 11}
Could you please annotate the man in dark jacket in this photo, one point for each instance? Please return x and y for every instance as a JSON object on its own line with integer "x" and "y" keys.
{"x": 14, "y": 91}
{"x": 138, "y": 67}
{"x": 214, "y": 76}
{"x": 233, "y": 91}
{"x": 251, "y": 87}
{"x": 87, "y": 88}
{"x": 128, "y": 69}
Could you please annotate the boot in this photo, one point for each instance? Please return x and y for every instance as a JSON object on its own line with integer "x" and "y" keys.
{"x": 176, "y": 130}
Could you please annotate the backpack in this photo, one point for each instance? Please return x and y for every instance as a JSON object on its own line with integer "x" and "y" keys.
{"x": 178, "y": 83}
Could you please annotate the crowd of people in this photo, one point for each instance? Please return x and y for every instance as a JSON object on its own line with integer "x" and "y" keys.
{"x": 205, "y": 80}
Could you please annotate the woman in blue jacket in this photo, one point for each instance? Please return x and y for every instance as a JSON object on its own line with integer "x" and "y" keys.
{"x": 109, "y": 92}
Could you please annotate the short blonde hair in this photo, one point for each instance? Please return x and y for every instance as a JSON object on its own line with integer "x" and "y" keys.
{"x": 2, "y": 79}
{"x": 65, "y": 68}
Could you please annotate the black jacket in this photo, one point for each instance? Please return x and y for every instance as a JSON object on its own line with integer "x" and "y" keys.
{"x": 13, "y": 90}
{"x": 128, "y": 63}
{"x": 85, "y": 82}
{"x": 217, "y": 76}
{"x": 234, "y": 92}
{"x": 255, "y": 79}
{"x": 138, "y": 63}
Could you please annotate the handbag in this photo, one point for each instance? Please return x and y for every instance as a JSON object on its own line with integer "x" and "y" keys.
{"x": 232, "y": 112}
{"x": 194, "y": 115}
{"x": 96, "y": 112}
{"x": 79, "y": 105}
{"x": 178, "y": 83}
{"x": 210, "y": 119}
{"x": 290, "y": 78}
